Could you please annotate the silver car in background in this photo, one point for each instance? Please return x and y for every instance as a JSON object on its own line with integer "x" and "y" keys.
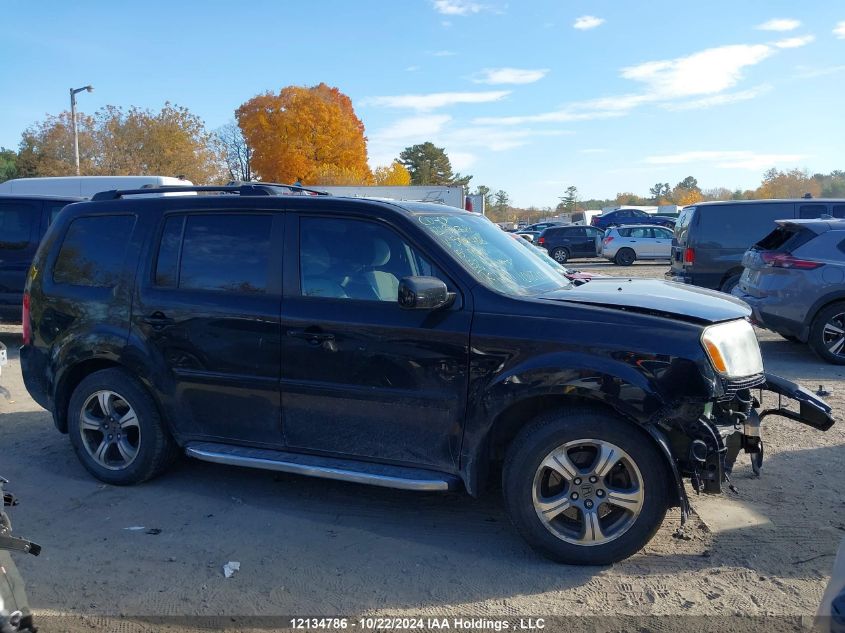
{"x": 624, "y": 245}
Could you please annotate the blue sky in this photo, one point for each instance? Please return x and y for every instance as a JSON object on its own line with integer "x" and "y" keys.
{"x": 529, "y": 96}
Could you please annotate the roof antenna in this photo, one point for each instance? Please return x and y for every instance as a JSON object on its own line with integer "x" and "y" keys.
{"x": 807, "y": 195}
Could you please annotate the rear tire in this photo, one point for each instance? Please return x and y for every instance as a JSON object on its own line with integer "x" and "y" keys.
{"x": 116, "y": 430}
{"x": 620, "y": 498}
{"x": 625, "y": 257}
{"x": 560, "y": 255}
{"x": 827, "y": 334}
{"x": 729, "y": 284}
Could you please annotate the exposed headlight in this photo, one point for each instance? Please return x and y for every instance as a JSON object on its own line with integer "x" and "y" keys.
{"x": 733, "y": 349}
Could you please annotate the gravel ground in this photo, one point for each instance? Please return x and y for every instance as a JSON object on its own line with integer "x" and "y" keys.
{"x": 308, "y": 546}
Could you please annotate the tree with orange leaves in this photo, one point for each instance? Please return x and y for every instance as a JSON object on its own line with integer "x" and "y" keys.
{"x": 305, "y": 134}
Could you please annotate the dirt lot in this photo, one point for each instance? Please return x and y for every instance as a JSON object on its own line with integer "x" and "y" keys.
{"x": 308, "y": 546}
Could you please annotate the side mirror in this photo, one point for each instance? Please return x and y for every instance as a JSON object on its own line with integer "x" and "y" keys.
{"x": 424, "y": 293}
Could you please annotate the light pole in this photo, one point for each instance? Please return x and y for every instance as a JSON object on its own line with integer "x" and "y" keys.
{"x": 73, "y": 92}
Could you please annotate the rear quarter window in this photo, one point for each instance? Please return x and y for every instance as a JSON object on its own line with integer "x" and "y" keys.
{"x": 93, "y": 251}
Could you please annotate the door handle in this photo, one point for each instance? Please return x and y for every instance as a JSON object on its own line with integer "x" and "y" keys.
{"x": 157, "y": 319}
{"x": 313, "y": 337}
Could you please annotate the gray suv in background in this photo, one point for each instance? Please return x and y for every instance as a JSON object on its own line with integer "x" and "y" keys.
{"x": 794, "y": 281}
{"x": 711, "y": 237}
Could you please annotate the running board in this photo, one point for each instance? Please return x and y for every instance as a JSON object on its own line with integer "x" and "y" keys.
{"x": 382, "y": 475}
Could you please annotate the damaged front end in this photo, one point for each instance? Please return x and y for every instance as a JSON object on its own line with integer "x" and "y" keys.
{"x": 732, "y": 424}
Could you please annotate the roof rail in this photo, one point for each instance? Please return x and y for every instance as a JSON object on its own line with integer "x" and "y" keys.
{"x": 252, "y": 189}
{"x": 257, "y": 183}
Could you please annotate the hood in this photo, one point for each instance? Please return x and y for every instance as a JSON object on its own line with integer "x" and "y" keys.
{"x": 657, "y": 297}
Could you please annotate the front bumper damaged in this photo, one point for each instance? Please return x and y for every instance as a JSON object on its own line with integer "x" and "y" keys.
{"x": 734, "y": 426}
{"x": 813, "y": 411}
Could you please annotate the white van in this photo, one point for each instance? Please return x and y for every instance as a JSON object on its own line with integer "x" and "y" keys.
{"x": 87, "y": 186}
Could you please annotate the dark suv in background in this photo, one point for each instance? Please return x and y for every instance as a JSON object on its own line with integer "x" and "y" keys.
{"x": 567, "y": 242}
{"x": 794, "y": 281}
{"x": 23, "y": 220}
{"x": 629, "y": 216}
{"x": 399, "y": 344}
{"x": 711, "y": 237}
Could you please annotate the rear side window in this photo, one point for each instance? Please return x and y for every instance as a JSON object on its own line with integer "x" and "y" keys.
{"x": 838, "y": 211}
{"x": 93, "y": 250}
{"x": 16, "y": 220}
{"x": 624, "y": 232}
{"x": 739, "y": 225}
{"x": 221, "y": 252}
{"x": 785, "y": 238}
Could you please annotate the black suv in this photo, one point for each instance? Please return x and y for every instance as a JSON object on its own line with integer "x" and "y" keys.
{"x": 711, "y": 237}
{"x": 23, "y": 220}
{"x": 566, "y": 242}
{"x": 618, "y": 217}
{"x": 402, "y": 344}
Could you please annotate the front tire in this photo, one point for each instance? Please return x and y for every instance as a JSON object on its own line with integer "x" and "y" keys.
{"x": 625, "y": 257}
{"x": 584, "y": 487}
{"x": 116, "y": 430}
{"x": 827, "y": 334}
{"x": 560, "y": 255}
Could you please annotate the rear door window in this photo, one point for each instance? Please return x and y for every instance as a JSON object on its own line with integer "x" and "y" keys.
{"x": 16, "y": 224}
{"x": 219, "y": 252}
{"x": 838, "y": 211}
{"x": 93, "y": 251}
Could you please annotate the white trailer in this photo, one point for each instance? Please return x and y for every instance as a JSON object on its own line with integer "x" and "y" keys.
{"x": 452, "y": 195}
{"x": 87, "y": 186}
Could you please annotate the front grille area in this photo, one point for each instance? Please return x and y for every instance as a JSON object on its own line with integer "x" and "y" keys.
{"x": 732, "y": 385}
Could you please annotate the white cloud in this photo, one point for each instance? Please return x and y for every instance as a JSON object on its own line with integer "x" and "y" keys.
{"x": 604, "y": 108}
{"x": 671, "y": 84}
{"x": 510, "y": 75}
{"x": 808, "y": 72}
{"x": 412, "y": 69}
{"x": 716, "y": 100}
{"x": 461, "y": 161}
{"x": 741, "y": 159}
{"x": 795, "y": 42}
{"x": 839, "y": 30}
{"x": 435, "y": 100}
{"x": 413, "y": 127}
{"x": 457, "y": 7}
{"x": 586, "y": 22}
{"x": 593, "y": 150}
{"x": 779, "y": 24}
{"x": 443, "y": 53}
{"x": 707, "y": 72}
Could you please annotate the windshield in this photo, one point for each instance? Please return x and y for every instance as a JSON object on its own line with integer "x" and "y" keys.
{"x": 492, "y": 256}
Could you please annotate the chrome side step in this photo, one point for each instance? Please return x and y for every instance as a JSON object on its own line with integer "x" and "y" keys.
{"x": 382, "y": 475}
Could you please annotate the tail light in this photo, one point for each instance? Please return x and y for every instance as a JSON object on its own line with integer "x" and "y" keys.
{"x": 606, "y": 241}
{"x": 785, "y": 260}
{"x": 689, "y": 256}
{"x": 541, "y": 240}
{"x": 25, "y": 321}
{"x": 468, "y": 205}
{"x": 594, "y": 221}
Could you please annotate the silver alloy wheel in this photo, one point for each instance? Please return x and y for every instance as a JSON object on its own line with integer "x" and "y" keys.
{"x": 110, "y": 430}
{"x": 559, "y": 255}
{"x": 588, "y": 492}
{"x": 833, "y": 334}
